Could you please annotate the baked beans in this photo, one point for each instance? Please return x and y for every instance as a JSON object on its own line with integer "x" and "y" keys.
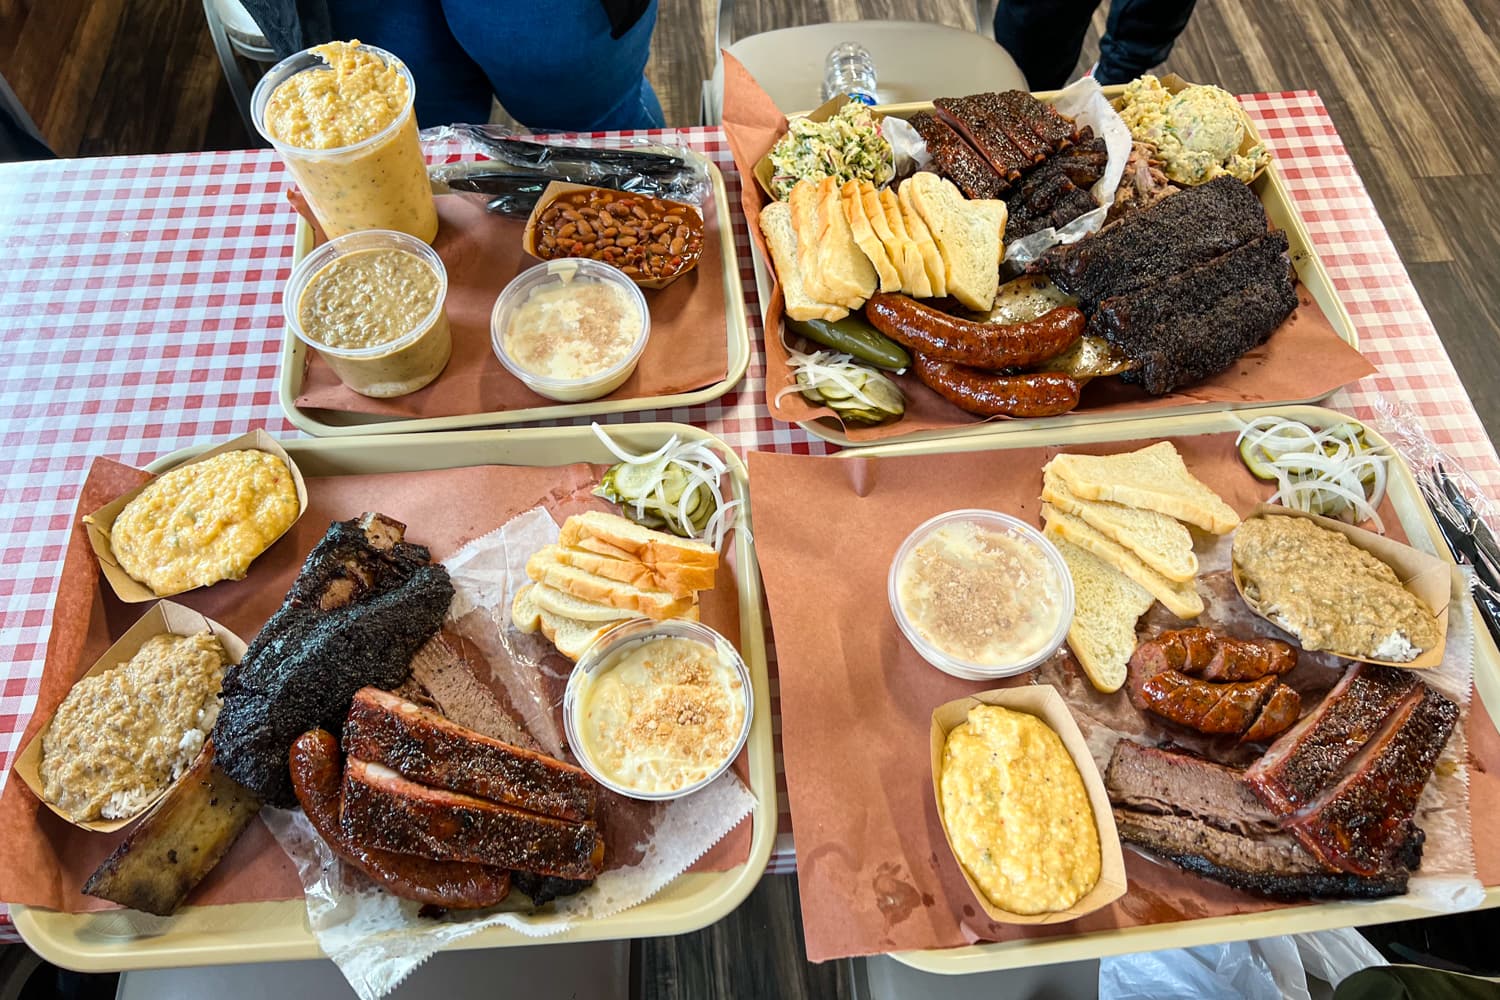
{"x": 647, "y": 238}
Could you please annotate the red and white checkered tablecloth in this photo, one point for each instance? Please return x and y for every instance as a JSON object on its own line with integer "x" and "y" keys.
{"x": 140, "y": 313}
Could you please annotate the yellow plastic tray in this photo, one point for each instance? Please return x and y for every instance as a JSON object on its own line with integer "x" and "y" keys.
{"x": 1279, "y": 209}
{"x": 331, "y": 423}
{"x": 118, "y": 940}
{"x": 1423, "y": 533}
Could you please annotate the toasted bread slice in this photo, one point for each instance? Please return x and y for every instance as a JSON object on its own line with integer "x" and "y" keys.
{"x": 884, "y": 212}
{"x": 567, "y": 605}
{"x": 622, "y": 535}
{"x": 932, "y": 260}
{"x": 1102, "y": 635}
{"x": 842, "y": 265}
{"x": 675, "y": 578}
{"x": 1158, "y": 540}
{"x": 1153, "y": 478}
{"x": 1182, "y": 599}
{"x": 781, "y": 237}
{"x": 851, "y": 200}
{"x": 967, "y": 234}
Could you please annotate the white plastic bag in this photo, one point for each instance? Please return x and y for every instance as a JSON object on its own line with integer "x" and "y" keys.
{"x": 1268, "y": 969}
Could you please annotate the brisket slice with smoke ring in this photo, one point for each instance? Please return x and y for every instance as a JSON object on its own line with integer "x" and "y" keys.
{"x": 955, "y": 159}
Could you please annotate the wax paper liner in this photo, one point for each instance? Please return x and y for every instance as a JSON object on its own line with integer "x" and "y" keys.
{"x": 518, "y": 166}
{"x": 1447, "y": 881}
{"x": 1085, "y": 103}
{"x": 376, "y": 939}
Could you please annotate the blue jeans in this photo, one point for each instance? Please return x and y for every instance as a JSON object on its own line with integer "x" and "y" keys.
{"x": 551, "y": 63}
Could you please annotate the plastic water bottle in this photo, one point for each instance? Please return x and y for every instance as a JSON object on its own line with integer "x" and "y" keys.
{"x": 849, "y": 70}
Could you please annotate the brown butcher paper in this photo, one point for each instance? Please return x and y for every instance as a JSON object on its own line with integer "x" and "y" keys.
{"x": 874, "y": 870}
{"x": 688, "y": 348}
{"x": 47, "y": 859}
{"x": 1304, "y": 359}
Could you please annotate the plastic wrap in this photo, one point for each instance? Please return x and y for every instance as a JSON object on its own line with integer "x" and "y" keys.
{"x": 1468, "y": 517}
{"x": 376, "y": 939}
{"x": 1268, "y": 969}
{"x": 518, "y": 166}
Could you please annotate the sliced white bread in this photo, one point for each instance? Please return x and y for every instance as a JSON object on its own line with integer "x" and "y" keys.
{"x": 567, "y": 605}
{"x": 572, "y": 637}
{"x": 675, "y": 578}
{"x": 1158, "y": 540}
{"x": 932, "y": 260}
{"x": 851, "y": 200}
{"x": 804, "y": 204}
{"x": 781, "y": 237}
{"x": 842, "y": 265}
{"x": 1108, "y": 604}
{"x": 525, "y": 613}
{"x": 1153, "y": 478}
{"x": 587, "y": 543}
{"x": 648, "y": 601}
{"x": 884, "y": 212}
{"x": 622, "y": 535}
{"x": 967, "y": 234}
{"x": 1182, "y": 599}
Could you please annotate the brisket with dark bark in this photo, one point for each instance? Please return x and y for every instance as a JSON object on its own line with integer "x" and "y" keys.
{"x": 971, "y": 119}
{"x": 955, "y": 159}
{"x": 1189, "y": 228}
{"x": 1198, "y": 322}
{"x": 1274, "y": 865}
{"x": 1152, "y": 780}
{"x": 363, "y": 604}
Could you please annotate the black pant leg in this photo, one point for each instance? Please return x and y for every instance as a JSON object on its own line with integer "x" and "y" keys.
{"x": 1044, "y": 37}
{"x": 1139, "y": 37}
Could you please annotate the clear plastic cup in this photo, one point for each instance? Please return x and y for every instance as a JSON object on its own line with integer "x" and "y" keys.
{"x": 1028, "y": 653}
{"x": 399, "y": 366}
{"x": 377, "y": 183}
{"x": 553, "y": 277}
{"x": 605, "y": 653}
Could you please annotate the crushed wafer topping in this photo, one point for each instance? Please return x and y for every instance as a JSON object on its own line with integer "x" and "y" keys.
{"x": 662, "y": 716}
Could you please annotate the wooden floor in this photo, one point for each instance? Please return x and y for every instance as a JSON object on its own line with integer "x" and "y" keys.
{"x": 1414, "y": 89}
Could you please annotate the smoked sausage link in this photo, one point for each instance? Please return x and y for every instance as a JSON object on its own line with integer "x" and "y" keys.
{"x": 454, "y": 885}
{"x": 1044, "y": 394}
{"x": 991, "y": 346}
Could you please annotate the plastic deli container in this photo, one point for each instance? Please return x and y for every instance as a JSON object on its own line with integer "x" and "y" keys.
{"x": 376, "y": 183}
{"x": 985, "y": 570}
{"x": 605, "y": 654}
{"x": 570, "y": 329}
{"x": 396, "y": 367}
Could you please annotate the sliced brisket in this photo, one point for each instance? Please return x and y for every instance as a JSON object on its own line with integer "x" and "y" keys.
{"x": 1152, "y": 780}
{"x": 1272, "y": 865}
{"x": 1197, "y": 323}
{"x": 1189, "y": 228}
{"x": 985, "y": 134}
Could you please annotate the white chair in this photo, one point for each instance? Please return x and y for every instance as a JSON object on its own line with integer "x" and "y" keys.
{"x": 914, "y": 61}
{"x": 236, "y": 34}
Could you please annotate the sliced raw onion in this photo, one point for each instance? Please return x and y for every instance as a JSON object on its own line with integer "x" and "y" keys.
{"x": 704, "y": 469}
{"x": 827, "y": 368}
{"x": 1319, "y": 471}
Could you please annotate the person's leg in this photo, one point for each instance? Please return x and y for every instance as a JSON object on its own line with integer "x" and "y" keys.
{"x": 451, "y": 87}
{"x": 1044, "y": 37}
{"x": 554, "y": 66}
{"x": 1139, "y": 36}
